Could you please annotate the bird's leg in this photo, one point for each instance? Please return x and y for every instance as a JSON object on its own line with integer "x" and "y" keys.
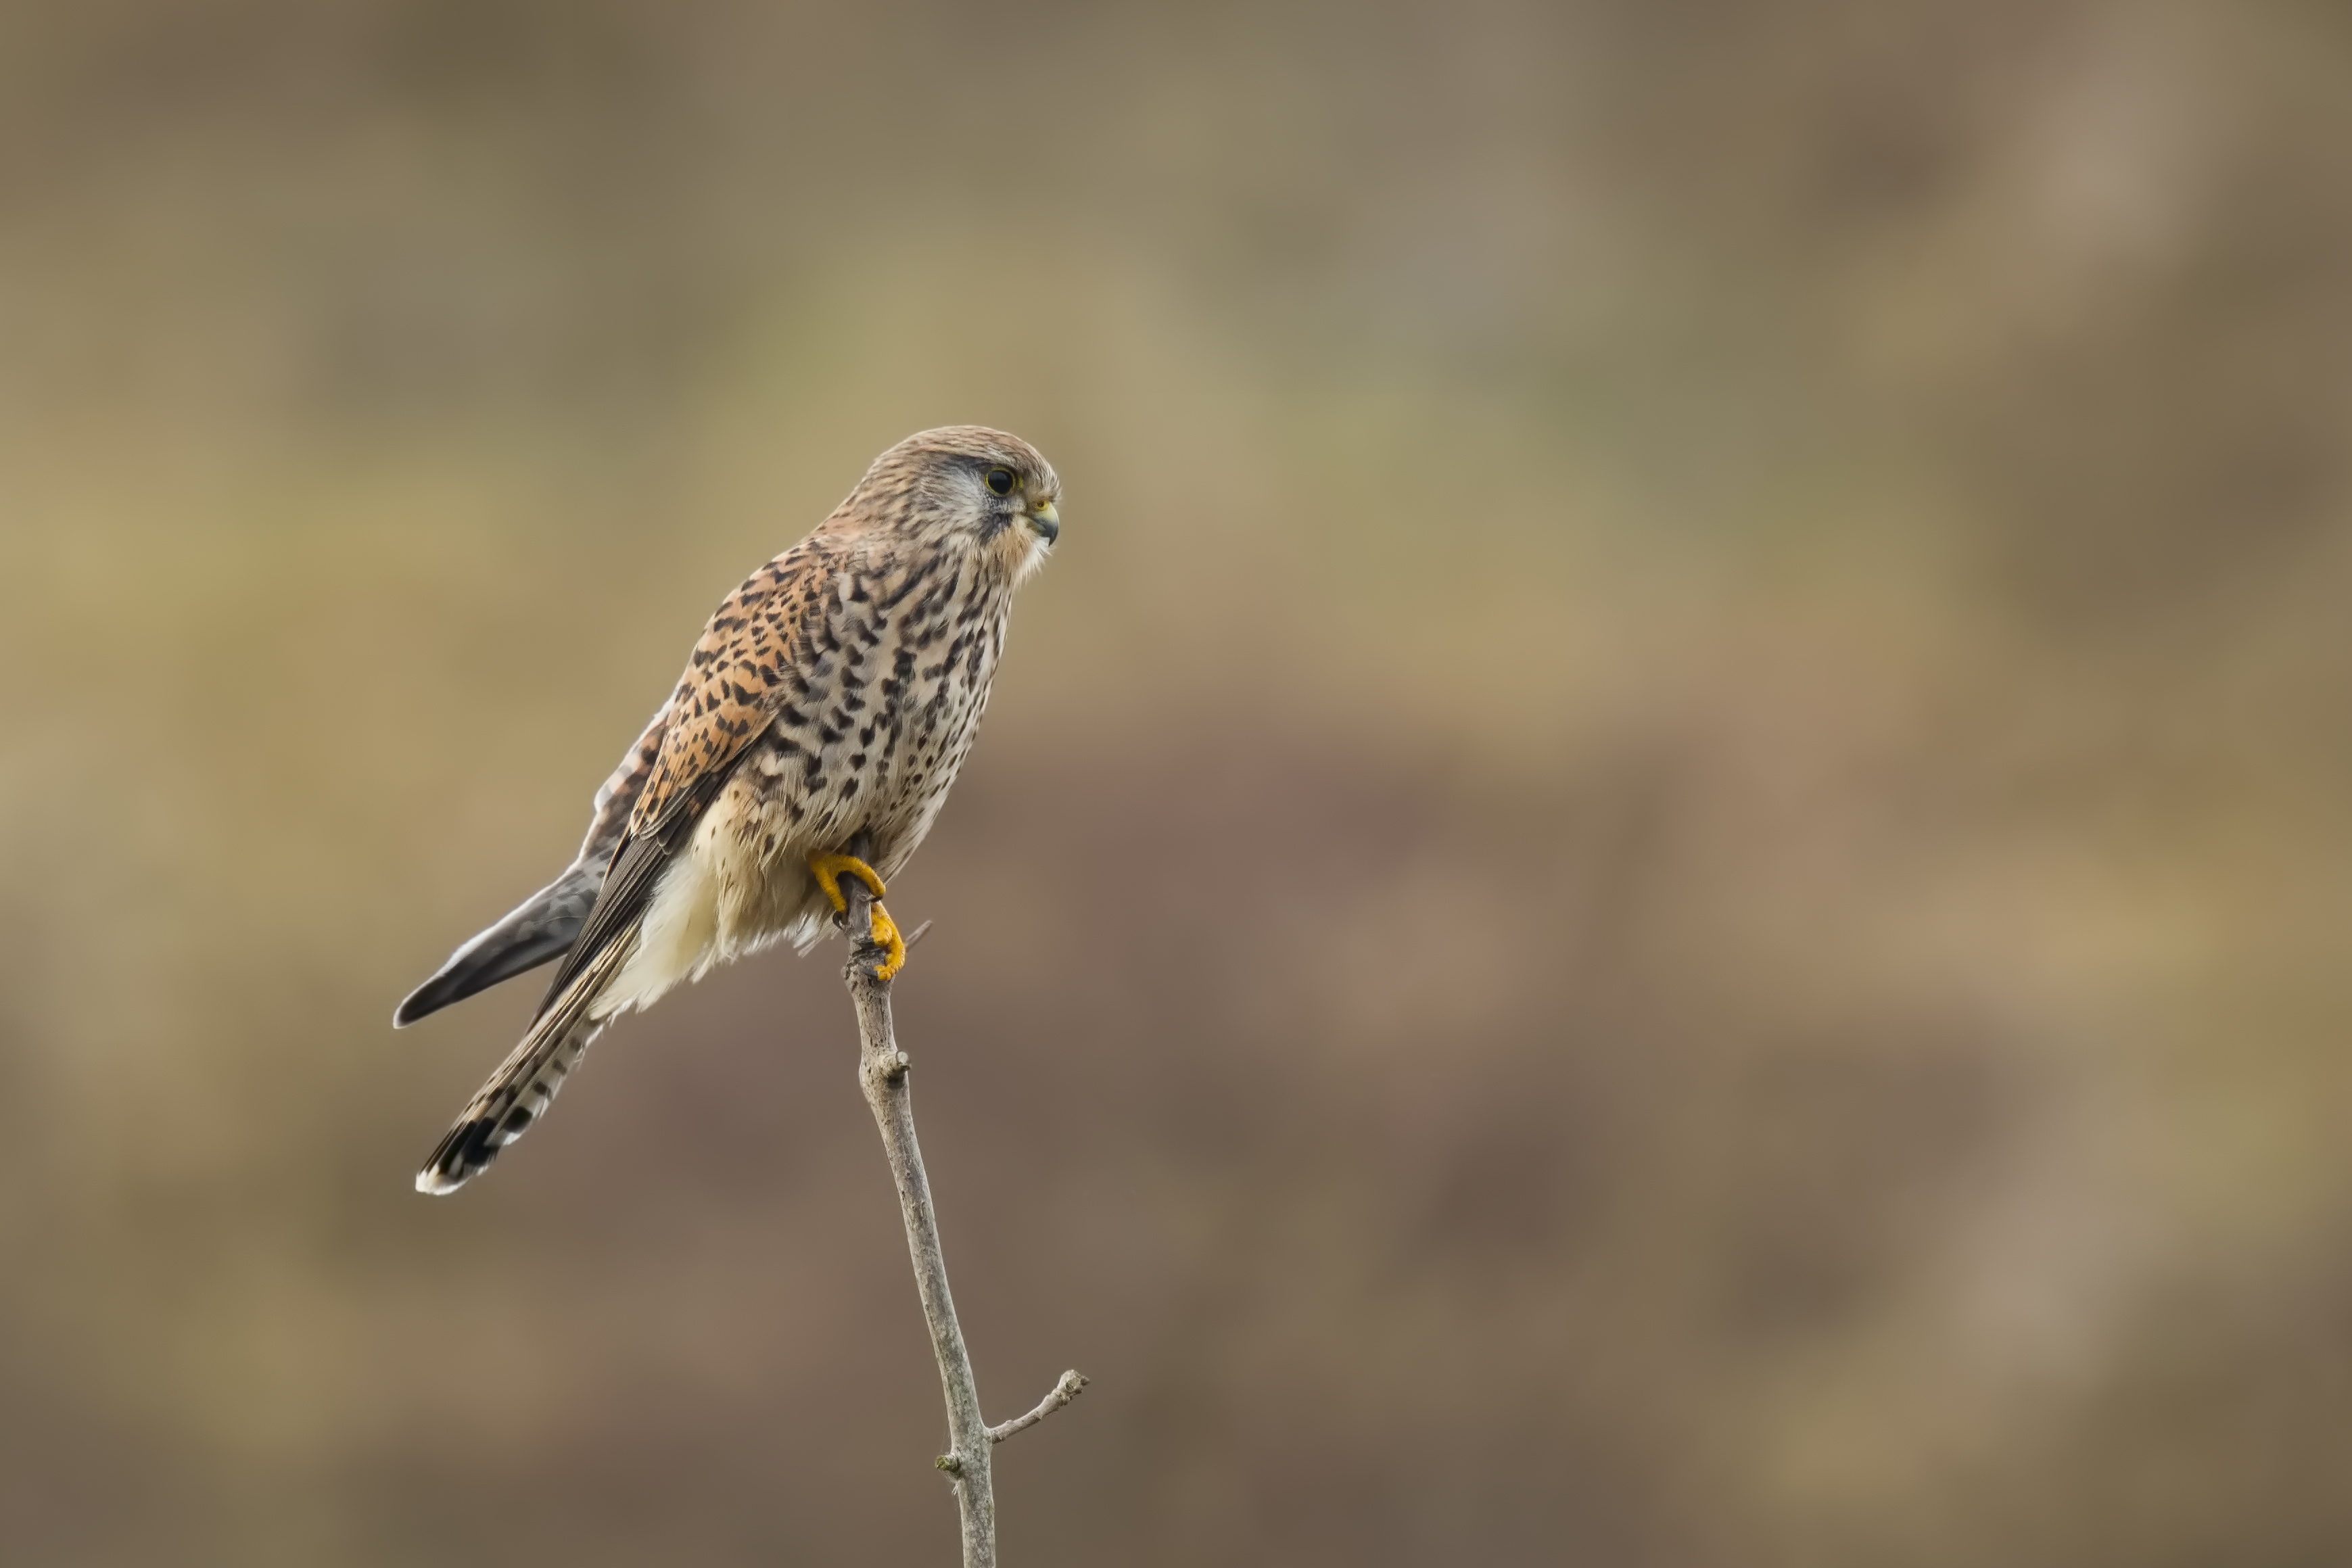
{"x": 829, "y": 870}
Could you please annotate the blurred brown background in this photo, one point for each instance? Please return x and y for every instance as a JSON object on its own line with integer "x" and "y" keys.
{"x": 1662, "y": 881}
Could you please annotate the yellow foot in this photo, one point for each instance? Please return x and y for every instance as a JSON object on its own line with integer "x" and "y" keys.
{"x": 831, "y": 869}
{"x": 886, "y": 934}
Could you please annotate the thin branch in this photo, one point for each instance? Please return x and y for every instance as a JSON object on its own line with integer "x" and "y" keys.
{"x": 882, "y": 1072}
{"x": 1072, "y": 1384}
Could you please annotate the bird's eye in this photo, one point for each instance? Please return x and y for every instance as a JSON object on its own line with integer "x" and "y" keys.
{"x": 1000, "y": 481}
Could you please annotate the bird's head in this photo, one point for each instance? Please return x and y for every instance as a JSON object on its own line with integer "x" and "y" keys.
{"x": 964, "y": 487}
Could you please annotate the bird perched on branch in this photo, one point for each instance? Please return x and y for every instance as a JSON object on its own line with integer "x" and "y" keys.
{"x": 833, "y": 695}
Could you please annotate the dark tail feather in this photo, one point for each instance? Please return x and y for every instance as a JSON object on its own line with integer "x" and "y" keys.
{"x": 519, "y": 1093}
{"x": 541, "y": 929}
{"x": 504, "y": 1110}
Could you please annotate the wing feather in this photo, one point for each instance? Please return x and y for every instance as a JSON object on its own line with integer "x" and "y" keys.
{"x": 544, "y": 925}
{"x": 741, "y": 673}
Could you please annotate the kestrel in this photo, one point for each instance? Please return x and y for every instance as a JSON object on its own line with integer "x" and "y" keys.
{"x": 833, "y": 695}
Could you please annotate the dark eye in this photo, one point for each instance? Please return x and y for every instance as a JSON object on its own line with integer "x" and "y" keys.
{"x": 1000, "y": 481}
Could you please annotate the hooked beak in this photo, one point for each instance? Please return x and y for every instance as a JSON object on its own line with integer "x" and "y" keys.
{"x": 1046, "y": 521}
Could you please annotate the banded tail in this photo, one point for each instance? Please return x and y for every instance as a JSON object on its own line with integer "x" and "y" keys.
{"x": 519, "y": 1093}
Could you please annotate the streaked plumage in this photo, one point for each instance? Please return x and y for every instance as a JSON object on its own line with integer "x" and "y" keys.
{"x": 835, "y": 694}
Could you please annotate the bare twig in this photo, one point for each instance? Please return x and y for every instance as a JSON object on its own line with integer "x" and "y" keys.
{"x": 1072, "y": 1384}
{"x": 882, "y": 1072}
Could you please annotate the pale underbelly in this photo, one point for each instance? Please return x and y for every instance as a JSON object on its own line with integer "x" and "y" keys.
{"x": 742, "y": 883}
